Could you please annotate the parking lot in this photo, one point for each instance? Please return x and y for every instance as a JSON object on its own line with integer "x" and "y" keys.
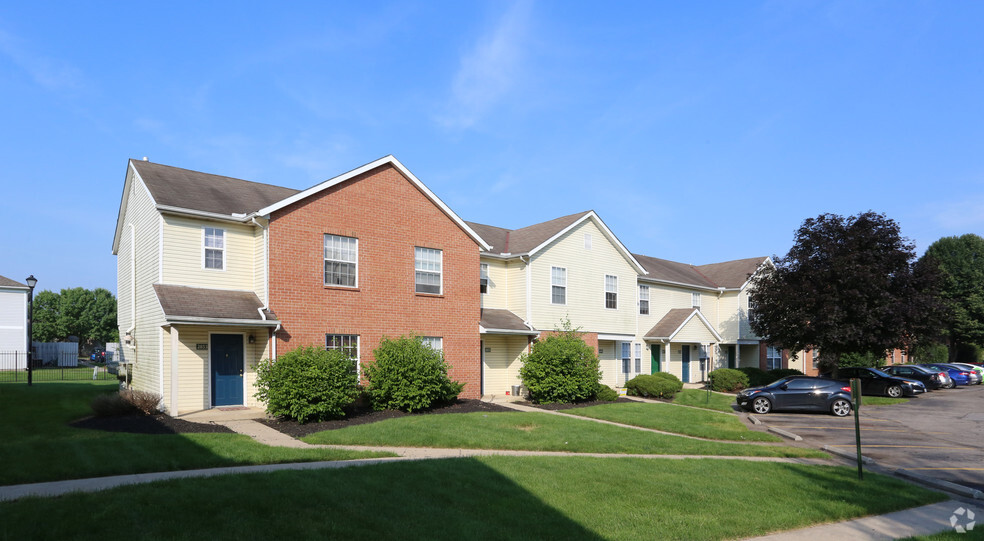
{"x": 940, "y": 434}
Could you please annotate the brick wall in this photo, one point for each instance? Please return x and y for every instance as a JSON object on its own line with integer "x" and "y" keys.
{"x": 389, "y": 216}
{"x": 590, "y": 338}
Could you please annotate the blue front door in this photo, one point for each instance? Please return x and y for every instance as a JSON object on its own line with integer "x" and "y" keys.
{"x": 227, "y": 369}
{"x": 686, "y": 364}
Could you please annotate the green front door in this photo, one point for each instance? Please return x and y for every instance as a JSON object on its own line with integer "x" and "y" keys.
{"x": 732, "y": 362}
{"x": 655, "y": 349}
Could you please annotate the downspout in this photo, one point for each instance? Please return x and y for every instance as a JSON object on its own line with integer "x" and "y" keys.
{"x": 529, "y": 290}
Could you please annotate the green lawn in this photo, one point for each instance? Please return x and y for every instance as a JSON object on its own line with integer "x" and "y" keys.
{"x": 535, "y": 432}
{"x": 476, "y": 498}
{"x": 670, "y": 418}
{"x": 36, "y": 444}
{"x": 977, "y": 534}
{"x": 700, "y": 399}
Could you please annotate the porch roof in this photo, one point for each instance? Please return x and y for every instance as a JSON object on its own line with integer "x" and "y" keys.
{"x": 203, "y": 306}
{"x": 498, "y": 321}
{"x": 675, "y": 321}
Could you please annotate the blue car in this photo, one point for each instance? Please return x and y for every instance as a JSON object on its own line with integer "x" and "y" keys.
{"x": 959, "y": 377}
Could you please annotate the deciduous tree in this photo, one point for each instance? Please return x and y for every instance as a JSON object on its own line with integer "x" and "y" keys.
{"x": 960, "y": 261}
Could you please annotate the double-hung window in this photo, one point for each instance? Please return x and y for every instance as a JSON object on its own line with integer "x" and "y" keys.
{"x": 346, "y": 343}
{"x": 644, "y": 300}
{"x": 341, "y": 261}
{"x": 427, "y": 270}
{"x": 213, "y": 244}
{"x": 611, "y": 291}
{"x": 638, "y": 358}
{"x": 626, "y": 358}
{"x": 558, "y": 285}
{"x": 773, "y": 358}
{"x": 434, "y": 342}
{"x": 695, "y": 300}
{"x": 484, "y": 277}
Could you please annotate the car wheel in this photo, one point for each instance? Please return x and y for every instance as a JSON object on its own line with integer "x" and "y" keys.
{"x": 894, "y": 391}
{"x": 841, "y": 407}
{"x": 762, "y": 405}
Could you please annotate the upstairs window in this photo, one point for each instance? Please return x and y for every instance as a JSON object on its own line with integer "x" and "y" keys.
{"x": 427, "y": 267}
{"x": 341, "y": 261}
{"x": 611, "y": 291}
{"x": 695, "y": 300}
{"x": 558, "y": 285}
{"x": 213, "y": 243}
{"x": 644, "y": 300}
{"x": 484, "y": 277}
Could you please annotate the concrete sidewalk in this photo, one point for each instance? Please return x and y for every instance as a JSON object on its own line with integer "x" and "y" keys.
{"x": 925, "y": 520}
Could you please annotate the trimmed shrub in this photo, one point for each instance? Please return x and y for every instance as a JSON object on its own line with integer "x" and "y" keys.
{"x": 409, "y": 376}
{"x": 307, "y": 384}
{"x": 868, "y": 360}
{"x": 654, "y": 385}
{"x": 728, "y": 380}
{"x": 756, "y": 376}
{"x": 606, "y": 394}
{"x": 561, "y": 368}
{"x": 780, "y": 373}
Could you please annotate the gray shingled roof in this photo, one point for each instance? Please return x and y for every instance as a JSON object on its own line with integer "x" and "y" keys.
{"x": 183, "y": 188}
{"x": 199, "y": 302}
{"x": 731, "y": 274}
{"x": 670, "y": 322}
{"x": 7, "y": 282}
{"x": 503, "y": 320}
{"x": 522, "y": 240}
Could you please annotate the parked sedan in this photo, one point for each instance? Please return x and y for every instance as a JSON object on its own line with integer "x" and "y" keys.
{"x": 874, "y": 381}
{"x": 932, "y": 379}
{"x": 969, "y": 367}
{"x": 959, "y": 377}
{"x": 799, "y": 393}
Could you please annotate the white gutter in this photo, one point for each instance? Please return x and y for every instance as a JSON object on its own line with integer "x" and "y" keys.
{"x": 192, "y": 320}
{"x": 236, "y": 218}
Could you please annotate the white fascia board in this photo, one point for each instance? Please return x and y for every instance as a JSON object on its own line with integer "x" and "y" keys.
{"x": 483, "y": 330}
{"x": 131, "y": 172}
{"x": 265, "y": 211}
{"x": 703, "y": 319}
{"x": 681, "y": 284}
{"x": 591, "y": 215}
{"x": 186, "y": 320}
{"x": 615, "y": 337}
{"x": 237, "y": 218}
{"x": 768, "y": 262}
{"x": 15, "y": 289}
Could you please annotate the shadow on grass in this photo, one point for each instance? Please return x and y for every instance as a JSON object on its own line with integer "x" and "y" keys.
{"x": 438, "y": 499}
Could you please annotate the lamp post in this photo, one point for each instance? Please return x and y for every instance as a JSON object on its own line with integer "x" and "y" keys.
{"x": 31, "y": 282}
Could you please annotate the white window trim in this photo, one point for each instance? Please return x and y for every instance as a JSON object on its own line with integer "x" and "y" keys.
{"x": 481, "y": 276}
{"x": 777, "y": 356}
{"x": 695, "y": 300}
{"x": 604, "y": 299}
{"x": 646, "y": 289}
{"x": 428, "y": 341}
{"x": 440, "y": 273}
{"x": 225, "y": 244}
{"x": 358, "y": 348}
{"x": 552, "y": 285}
{"x": 356, "y": 262}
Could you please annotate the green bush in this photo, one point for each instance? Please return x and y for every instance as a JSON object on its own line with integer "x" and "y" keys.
{"x": 561, "y": 368}
{"x": 930, "y": 353}
{"x": 756, "y": 376}
{"x": 409, "y": 376}
{"x": 780, "y": 373}
{"x": 728, "y": 380}
{"x": 606, "y": 394}
{"x": 968, "y": 353}
{"x": 869, "y": 360}
{"x": 659, "y": 385}
{"x": 307, "y": 384}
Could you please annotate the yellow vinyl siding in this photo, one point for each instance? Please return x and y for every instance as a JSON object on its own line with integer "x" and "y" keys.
{"x": 695, "y": 331}
{"x": 586, "y": 270}
{"x": 502, "y": 362}
{"x": 498, "y": 290}
{"x": 516, "y": 289}
{"x": 183, "y": 255}
{"x": 729, "y": 318}
{"x": 609, "y": 360}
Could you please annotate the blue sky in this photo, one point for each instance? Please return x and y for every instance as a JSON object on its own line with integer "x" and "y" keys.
{"x": 700, "y": 132}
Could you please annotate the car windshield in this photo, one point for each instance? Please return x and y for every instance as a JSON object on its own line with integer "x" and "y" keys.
{"x": 880, "y": 373}
{"x": 777, "y": 383}
{"x": 922, "y": 369}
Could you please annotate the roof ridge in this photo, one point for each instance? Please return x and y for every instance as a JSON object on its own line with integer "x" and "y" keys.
{"x": 704, "y": 276}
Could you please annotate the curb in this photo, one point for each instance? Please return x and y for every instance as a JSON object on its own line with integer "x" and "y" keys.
{"x": 966, "y": 492}
{"x": 785, "y": 433}
{"x": 853, "y": 455}
{"x": 754, "y": 420}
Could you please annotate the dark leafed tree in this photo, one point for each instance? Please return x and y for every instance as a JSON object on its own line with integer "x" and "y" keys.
{"x": 848, "y": 285}
{"x": 960, "y": 261}
{"x": 87, "y": 314}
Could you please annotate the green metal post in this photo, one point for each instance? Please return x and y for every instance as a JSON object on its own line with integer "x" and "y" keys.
{"x": 856, "y": 398}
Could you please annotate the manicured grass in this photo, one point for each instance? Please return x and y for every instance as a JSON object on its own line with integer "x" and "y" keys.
{"x": 476, "y": 498}
{"x": 36, "y": 444}
{"x": 535, "y": 432}
{"x": 700, "y": 399}
{"x": 670, "y": 418}
{"x": 977, "y": 534}
{"x": 881, "y": 401}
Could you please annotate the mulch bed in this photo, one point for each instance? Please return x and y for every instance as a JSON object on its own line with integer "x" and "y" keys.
{"x": 148, "y": 424}
{"x": 362, "y": 415}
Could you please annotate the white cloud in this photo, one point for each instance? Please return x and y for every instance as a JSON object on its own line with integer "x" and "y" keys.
{"x": 50, "y": 73}
{"x": 488, "y": 71}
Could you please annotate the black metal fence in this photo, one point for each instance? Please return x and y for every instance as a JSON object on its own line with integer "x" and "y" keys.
{"x": 13, "y": 369}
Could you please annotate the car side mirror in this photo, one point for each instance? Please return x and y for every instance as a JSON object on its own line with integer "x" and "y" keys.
{"x": 784, "y": 387}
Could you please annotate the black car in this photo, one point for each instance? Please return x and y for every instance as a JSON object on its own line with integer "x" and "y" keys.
{"x": 932, "y": 379}
{"x": 799, "y": 393}
{"x": 876, "y": 382}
